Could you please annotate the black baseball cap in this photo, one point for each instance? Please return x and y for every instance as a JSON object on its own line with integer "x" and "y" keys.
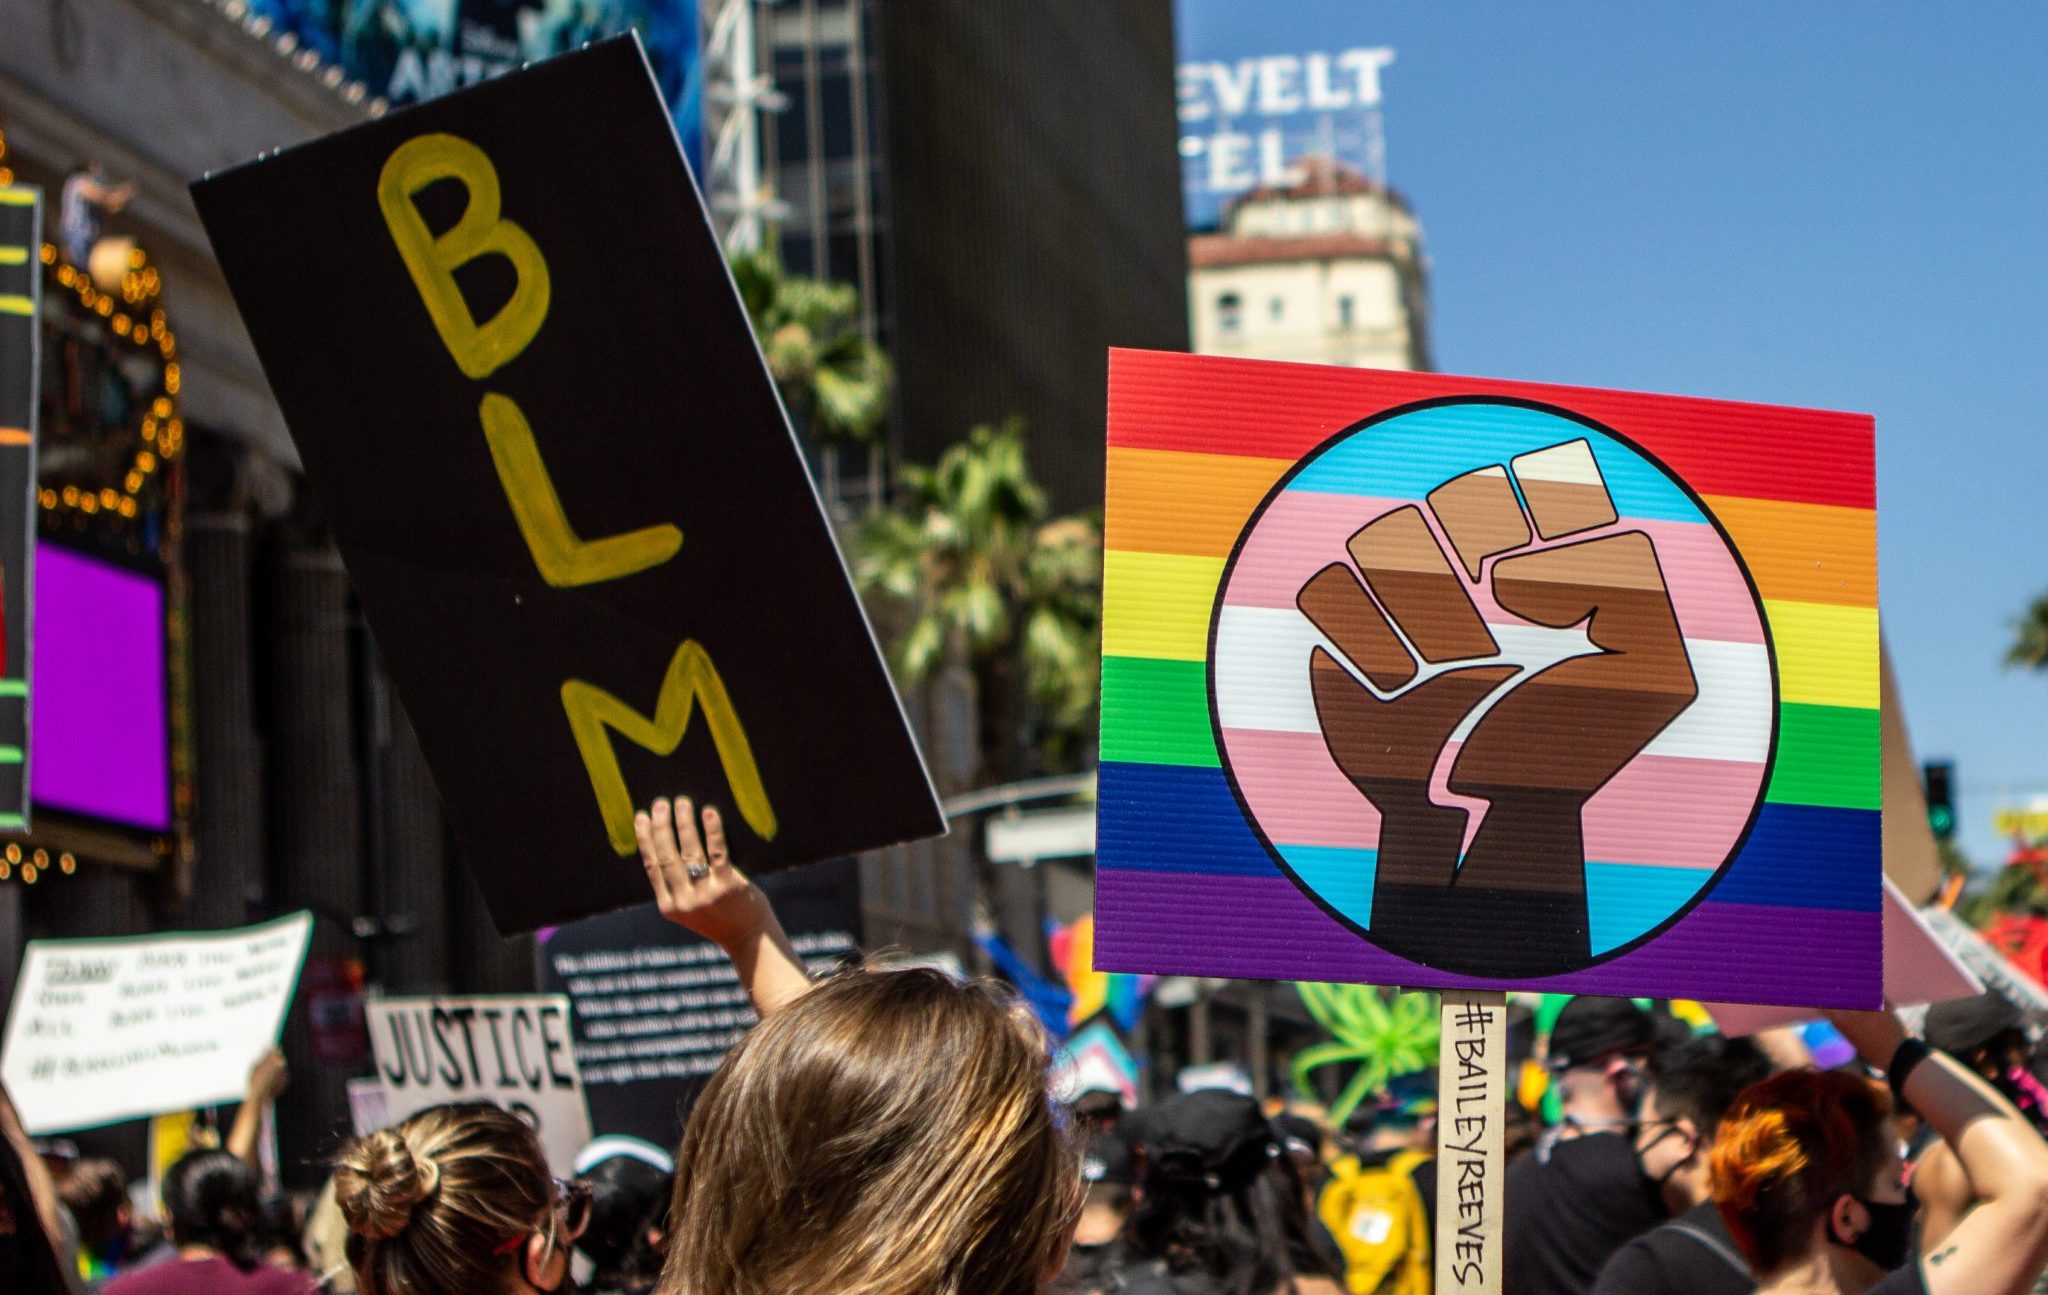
{"x": 1214, "y": 1141}
{"x": 1962, "y": 1026}
{"x": 1591, "y": 1026}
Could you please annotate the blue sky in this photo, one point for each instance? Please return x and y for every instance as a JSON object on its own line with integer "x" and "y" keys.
{"x": 1828, "y": 204}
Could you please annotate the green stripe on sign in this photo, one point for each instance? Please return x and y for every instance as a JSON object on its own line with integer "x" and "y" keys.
{"x": 14, "y": 821}
{"x": 10, "y": 755}
{"x": 13, "y": 687}
{"x": 1156, "y": 711}
{"x": 1827, "y": 755}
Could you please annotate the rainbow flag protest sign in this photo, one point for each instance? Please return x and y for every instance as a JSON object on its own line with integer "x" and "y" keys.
{"x": 1443, "y": 682}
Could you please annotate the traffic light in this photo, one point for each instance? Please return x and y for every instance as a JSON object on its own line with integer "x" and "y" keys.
{"x": 1941, "y": 809}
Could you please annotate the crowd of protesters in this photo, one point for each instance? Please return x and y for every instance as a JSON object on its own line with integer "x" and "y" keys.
{"x": 901, "y": 1132}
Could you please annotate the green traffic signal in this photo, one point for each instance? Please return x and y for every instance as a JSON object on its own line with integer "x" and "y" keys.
{"x": 1937, "y": 778}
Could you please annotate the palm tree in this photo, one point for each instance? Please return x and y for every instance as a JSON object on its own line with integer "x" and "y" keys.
{"x": 834, "y": 381}
{"x": 984, "y": 579}
{"x": 2030, "y": 637}
{"x": 1382, "y": 1036}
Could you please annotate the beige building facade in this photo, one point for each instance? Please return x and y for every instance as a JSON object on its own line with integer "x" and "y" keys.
{"x": 1327, "y": 270}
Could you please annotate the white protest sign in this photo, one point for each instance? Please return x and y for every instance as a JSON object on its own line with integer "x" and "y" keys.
{"x": 513, "y": 1050}
{"x": 115, "y": 1029}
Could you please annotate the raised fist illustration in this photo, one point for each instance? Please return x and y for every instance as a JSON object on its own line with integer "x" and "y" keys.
{"x": 1420, "y": 667}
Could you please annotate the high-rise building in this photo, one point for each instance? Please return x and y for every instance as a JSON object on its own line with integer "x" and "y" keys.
{"x": 1002, "y": 184}
{"x": 1326, "y": 269}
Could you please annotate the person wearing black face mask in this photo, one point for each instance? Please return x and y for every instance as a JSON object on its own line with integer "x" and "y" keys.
{"x": 1807, "y": 1172}
{"x": 1691, "y": 1084}
{"x": 1580, "y": 1194}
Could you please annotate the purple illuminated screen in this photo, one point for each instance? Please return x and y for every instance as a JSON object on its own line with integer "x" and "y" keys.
{"x": 99, "y": 737}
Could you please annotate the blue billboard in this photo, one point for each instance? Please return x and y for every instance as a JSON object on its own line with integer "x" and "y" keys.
{"x": 407, "y": 50}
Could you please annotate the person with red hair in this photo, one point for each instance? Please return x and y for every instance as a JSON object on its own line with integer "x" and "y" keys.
{"x": 1808, "y": 1175}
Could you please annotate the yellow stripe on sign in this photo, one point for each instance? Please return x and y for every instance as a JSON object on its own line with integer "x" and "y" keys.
{"x": 12, "y": 305}
{"x": 17, "y": 197}
{"x": 13, "y": 255}
{"x": 1827, "y": 653}
{"x": 1157, "y": 604}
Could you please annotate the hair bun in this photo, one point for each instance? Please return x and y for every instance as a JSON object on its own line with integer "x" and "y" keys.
{"x": 378, "y": 1182}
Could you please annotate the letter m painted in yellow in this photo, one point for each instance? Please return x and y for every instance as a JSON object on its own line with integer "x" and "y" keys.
{"x": 691, "y": 680}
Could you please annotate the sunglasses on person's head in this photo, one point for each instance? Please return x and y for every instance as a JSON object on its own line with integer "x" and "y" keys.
{"x": 572, "y": 1202}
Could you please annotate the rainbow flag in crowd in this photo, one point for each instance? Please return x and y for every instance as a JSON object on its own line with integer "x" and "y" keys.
{"x": 1735, "y": 857}
{"x": 1095, "y": 992}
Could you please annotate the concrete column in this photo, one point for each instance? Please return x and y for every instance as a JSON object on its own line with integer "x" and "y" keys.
{"x": 484, "y": 961}
{"x": 315, "y": 810}
{"x": 415, "y": 890}
{"x": 228, "y": 825}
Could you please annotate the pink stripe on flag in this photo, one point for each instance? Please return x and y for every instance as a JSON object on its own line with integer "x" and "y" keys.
{"x": 1297, "y": 791}
{"x": 1302, "y": 798}
{"x": 1303, "y": 531}
{"x": 1630, "y": 819}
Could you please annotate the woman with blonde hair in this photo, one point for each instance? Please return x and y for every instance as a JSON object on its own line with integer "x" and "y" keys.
{"x": 1806, "y": 1169}
{"x": 879, "y": 1133}
{"x": 456, "y": 1200}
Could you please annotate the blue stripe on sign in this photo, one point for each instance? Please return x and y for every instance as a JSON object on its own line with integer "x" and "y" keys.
{"x": 1623, "y": 900}
{"x": 1809, "y": 856}
{"x": 1408, "y": 456}
{"x": 1343, "y": 877}
{"x": 1173, "y": 818}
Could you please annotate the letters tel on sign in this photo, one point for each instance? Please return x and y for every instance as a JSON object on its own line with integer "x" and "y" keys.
{"x": 563, "y": 484}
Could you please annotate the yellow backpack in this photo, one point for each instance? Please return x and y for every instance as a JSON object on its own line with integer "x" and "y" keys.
{"x": 1377, "y": 1215}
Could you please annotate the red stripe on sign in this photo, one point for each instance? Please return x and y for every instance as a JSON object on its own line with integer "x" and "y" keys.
{"x": 1266, "y": 409}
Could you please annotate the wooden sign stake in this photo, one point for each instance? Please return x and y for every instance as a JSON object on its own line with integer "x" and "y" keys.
{"x": 1472, "y": 1068}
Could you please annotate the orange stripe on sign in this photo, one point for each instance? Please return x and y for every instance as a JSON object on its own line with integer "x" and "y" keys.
{"x": 14, "y": 436}
{"x": 1806, "y": 553}
{"x": 1170, "y": 501}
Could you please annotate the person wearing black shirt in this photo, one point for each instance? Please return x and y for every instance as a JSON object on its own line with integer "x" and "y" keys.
{"x": 1690, "y": 1087}
{"x": 1581, "y": 1193}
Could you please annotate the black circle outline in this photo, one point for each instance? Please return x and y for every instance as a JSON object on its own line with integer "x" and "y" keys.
{"x": 1756, "y": 598}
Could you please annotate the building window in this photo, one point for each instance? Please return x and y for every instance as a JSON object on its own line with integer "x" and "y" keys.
{"x": 1229, "y": 313}
{"x": 1278, "y": 308}
{"x": 1344, "y": 313}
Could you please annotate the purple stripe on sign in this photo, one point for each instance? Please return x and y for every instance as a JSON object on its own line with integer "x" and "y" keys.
{"x": 99, "y": 741}
{"x": 1265, "y": 928}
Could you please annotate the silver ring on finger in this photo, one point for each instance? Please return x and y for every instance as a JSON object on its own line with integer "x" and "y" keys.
{"x": 697, "y": 871}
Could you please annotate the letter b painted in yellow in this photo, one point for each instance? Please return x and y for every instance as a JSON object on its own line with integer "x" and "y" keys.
{"x": 479, "y": 349}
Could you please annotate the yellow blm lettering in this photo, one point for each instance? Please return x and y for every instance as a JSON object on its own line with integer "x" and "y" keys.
{"x": 563, "y": 558}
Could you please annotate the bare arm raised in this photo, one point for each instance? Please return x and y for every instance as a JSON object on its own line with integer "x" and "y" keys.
{"x": 698, "y": 887}
{"x": 1999, "y": 1247}
{"x": 267, "y": 1080}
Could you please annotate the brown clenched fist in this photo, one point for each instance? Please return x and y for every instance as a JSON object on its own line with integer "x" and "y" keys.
{"x": 1403, "y": 614}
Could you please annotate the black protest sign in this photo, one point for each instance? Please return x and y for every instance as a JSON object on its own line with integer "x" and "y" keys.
{"x": 531, "y": 406}
{"x": 21, "y": 282}
{"x": 655, "y": 1008}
